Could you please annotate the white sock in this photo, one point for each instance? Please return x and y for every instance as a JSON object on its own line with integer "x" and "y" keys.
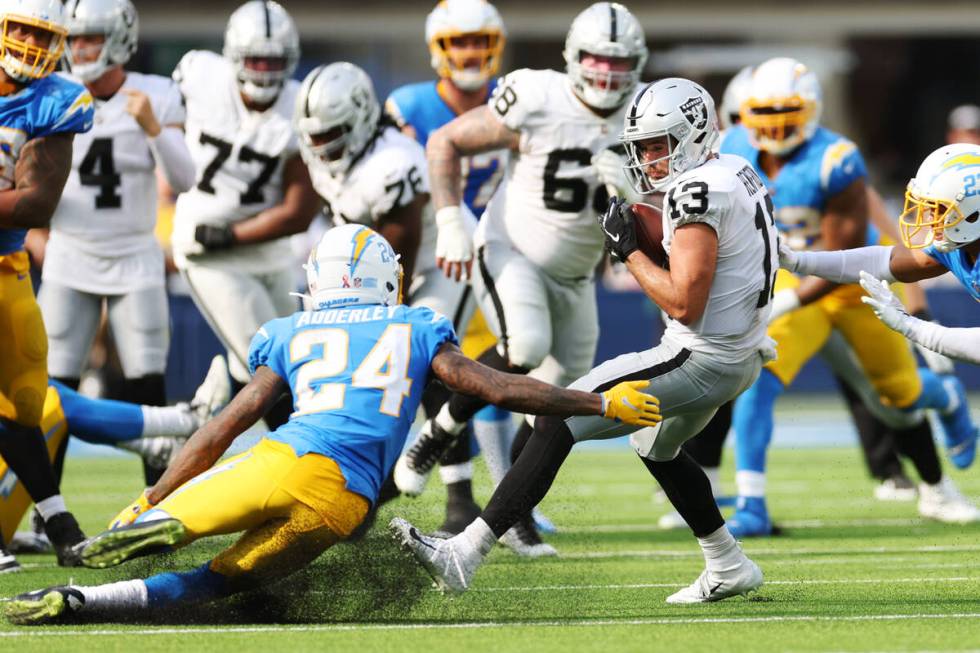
{"x": 751, "y": 484}
{"x": 111, "y": 597}
{"x": 51, "y": 506}
{"x": 494, "y": 438}
{"x": 445, "y": 420}
{"x": 456, "y": 473}
{"x": 167, "y": 420}
{"x": 720, "y": 550}
{"x": 479, "y": 536}
{"x": 714, "y": 477}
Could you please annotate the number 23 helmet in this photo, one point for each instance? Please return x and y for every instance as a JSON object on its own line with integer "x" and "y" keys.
{"x": 942, "y": 201}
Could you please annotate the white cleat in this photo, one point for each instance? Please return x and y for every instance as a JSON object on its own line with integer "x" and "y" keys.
{"x": 449, "y": 566}
{"x": 414, "y": 466}
{"x": 523, "y": 539}
{"x": 896, "y": 488}
{"x": 671, "y": 521}
{"x": 156, "y": 451}
{"x": 407, "y": 480}
{"x": 718, "y": 585}
{"x": 943, "y": 502}
{"x": 214, "y": 393}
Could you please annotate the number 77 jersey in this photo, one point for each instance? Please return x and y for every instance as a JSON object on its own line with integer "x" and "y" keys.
{"x": 356, "y": 376}
{"x": 238, "y": 158}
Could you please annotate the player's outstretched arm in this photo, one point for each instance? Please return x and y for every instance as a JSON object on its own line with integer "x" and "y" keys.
{"x": 890, "y": 263}
{"x": 625, "y": 402}
{"x": 39, "y": 178}
{"x": 402, "y": 228}
{"x": 478, "y": 130}
{"x": 210, "y": 441}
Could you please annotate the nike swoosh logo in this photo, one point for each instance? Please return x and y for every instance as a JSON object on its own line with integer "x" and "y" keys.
{"x": 615, "y": 239}
{"x": 715, "y": 588}
{"x": 414, "y": 534}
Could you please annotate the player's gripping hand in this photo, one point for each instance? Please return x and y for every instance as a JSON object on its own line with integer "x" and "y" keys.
{"x": 139, "y": 107}
{"x": 609, "y": 169}
{"x": 454, "y": 246}
{"x": 626, "y": 402}
{"x": 129, "y": 514}
{"x": 886, "y": 306}
{"x": 789, "y": 259}
{"x": 620, "y": 232}
{"x": 214, "y": 237}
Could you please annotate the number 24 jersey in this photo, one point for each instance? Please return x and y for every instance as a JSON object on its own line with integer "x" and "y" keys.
{"x": 356, "y": 376}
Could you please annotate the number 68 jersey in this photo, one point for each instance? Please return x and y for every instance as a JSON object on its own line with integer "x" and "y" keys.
{"x": 356, "y": 376}
{"x": 238, "y": 156}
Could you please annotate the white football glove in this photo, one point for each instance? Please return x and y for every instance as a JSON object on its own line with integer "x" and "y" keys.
{"x": 783, "y": 302}
{"x": 454, "y": 245}
{"x": 789, "y": 259}
{"x": 884, "y": 303}
{"x": 609, "y": 169}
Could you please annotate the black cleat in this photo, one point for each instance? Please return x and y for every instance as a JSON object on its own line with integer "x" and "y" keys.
{"x": 50, "y": 605}
{"x": 65, "y": 536}
{"x": 459, "y": 515}
{"x": 412, "y": 469}
{"x": 33, "y": 540}
{"x": 8, "y": 563}
{"x": 524, "y": 540}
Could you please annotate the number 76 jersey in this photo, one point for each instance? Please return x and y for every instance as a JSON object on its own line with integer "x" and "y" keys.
{"x": 356, "y": 375}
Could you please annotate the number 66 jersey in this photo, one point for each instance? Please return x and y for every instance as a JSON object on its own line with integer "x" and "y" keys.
{"x": 238, "y": 155}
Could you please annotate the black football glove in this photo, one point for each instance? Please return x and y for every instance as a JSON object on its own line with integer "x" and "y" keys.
{"x": 620, "y": 231}
{"x": 214, "y": 236}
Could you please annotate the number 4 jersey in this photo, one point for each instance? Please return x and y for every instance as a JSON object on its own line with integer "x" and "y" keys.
{"x": 239, "y": 156}
{"x": 726, "y": 194}
{"x": 102, "y": 237}
{"x": 356, "y": 376}
{"x": 547, "y": 203}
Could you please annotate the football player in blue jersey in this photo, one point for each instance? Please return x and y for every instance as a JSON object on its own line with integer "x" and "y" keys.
{"x": 817, "y": 183}
{"x": 941, "y": 233}
{"x": 466, "y": 41}
{"x": 356, "y": 366}
{"x": 39, "y": 115}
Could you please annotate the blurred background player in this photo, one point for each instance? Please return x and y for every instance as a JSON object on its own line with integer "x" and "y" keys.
{"x": 537, "y": 245}
{"x": 39, "y": 115}
{"x": 466, "y": 42}
{"x": 156, "y": 432}
{"x": 817, "y": 182}
{"x": 357, "y": 384}
{"x": 102, "y": 250}
{"x": 963, "y": 125}
{"x": 252, "y": 189}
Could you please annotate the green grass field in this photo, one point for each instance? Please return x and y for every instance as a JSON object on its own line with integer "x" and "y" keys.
{"x": 850, "y": 574}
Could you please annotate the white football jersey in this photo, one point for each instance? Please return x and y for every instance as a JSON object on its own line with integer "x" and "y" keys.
{"x": 239, "y": 157}
{"x": 728, "y": 195}
{"x": 108, "y": 209}
{"x": 547, "y": 204}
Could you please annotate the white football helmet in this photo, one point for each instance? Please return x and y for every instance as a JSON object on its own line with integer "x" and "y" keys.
{"x": 942, "y": 201}
{"x": 783, "y": 106}
{"x": 737, "y": 92}
{"x": 680, "y": 110}
{"x": 336, "y": 115}
{"x": 116, "y": 20}
{"x": 261, "y": 29}
{"x": 353, "y": 265}
{"x": 23, "y": 61}
{"x": 607, "y": 29}
{"x": 453, "y": 18}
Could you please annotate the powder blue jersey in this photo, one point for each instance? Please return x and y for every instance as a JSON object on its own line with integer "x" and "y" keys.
{"x": 421, "y": 106}
{"x": 818, "y": 169}
{"x": 959, "y": 264}
{"x": 51, "y": 105}
{"x": 357, "y": 376}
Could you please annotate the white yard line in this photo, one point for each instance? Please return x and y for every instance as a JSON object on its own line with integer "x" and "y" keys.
{"x": 583, "y": 623}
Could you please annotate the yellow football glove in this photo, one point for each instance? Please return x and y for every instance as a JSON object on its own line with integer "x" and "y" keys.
{"x": 131, "y": 512}
{"x": 627, "y": 403}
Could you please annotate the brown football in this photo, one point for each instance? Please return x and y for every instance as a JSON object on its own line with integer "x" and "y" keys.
{"x": 650, "y": 232}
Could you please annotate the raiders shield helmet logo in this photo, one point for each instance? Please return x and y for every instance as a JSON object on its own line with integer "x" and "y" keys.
{"x": 696, "y": 112}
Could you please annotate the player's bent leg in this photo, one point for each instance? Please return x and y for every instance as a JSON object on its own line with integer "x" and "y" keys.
{"x": 947, "y": 395}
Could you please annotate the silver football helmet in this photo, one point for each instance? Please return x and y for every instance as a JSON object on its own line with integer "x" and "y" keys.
{"x": 116, "y": 20}
{"x": 736, "y": 93}
{"x": 24, "y": 61}
{"x": 336, "y": 114}
{"x": 679, "y": 112}
{"x": 262, "y": 30}
{"x": 606, "y": 29}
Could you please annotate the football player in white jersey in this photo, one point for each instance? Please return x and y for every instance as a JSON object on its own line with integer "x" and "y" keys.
{"x": 720, "y": 237}
{"x": 252, "y": 188}
{"x": 537, "y": 244}
{"x": 101, "y": 249}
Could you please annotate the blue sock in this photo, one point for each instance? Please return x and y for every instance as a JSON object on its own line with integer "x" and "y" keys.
{"x": 100, "y": 421}
{"x": 753, "y": 422}
{"x": 491, "y": 413}
{"x": 199, "y": 584}
{"x": 933, "y": 394}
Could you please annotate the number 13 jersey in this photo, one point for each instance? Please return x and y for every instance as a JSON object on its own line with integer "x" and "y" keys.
{"x": 238, "y": 156}
{"x": 547, "y": 204}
